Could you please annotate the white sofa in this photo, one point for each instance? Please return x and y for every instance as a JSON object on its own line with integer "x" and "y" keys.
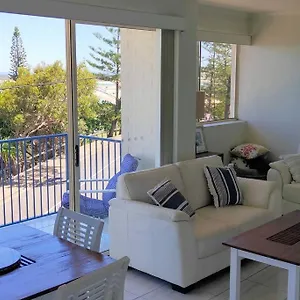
{"x": 167, "y": 243}
{"x": 290, "y": 192}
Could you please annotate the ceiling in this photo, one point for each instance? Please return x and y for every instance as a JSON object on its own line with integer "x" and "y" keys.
{"x": 272, "y": 6}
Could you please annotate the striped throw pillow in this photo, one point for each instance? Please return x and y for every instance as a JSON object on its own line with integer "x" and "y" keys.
{"x": 165, "y": 194}
{"x": 223, "y": 186}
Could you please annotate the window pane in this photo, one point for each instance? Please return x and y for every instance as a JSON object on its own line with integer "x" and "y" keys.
{"x": 216, "y": 81}
{"x": 33, "y": 117}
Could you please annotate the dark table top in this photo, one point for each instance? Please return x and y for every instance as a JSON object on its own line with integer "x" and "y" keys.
{"x": 257, "y": 240}
{"x": 56, "y": 262}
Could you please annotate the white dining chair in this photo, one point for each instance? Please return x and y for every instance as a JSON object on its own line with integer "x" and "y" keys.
{"x": 78, "y": 229}
{"x": 106, "y": 283}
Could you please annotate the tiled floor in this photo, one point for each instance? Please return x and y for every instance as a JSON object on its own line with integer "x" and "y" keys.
{"x": 259, "y": 281}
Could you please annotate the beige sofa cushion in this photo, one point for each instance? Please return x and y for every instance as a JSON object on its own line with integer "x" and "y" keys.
{"x": 192, "y": 172}
{"x": 134, "y": 186}
{"x": 213, "y": 226}
{"x": 291, "y": 192}
{"x": 211, "y": 233}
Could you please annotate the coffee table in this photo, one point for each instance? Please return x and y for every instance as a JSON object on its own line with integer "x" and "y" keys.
{"x": 276, "y": 243}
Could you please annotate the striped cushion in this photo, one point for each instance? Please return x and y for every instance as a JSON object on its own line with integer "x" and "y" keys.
{"x": 165, "y": 194}
{"x": 223, "y": 186}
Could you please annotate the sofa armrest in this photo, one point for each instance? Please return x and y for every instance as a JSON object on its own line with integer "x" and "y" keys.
{"x": 159, "y": 241}
{"x": 281, "y": 169}
{"x": 150, "y": 210}
{"x": 274, "y": 175}
{"x": 262, "y": 194}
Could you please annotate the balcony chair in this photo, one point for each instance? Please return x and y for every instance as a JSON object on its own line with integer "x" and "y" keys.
{"x": 78, "y": 229}
{"x": 106, "y": 283}
{"x": 95, "y": 207}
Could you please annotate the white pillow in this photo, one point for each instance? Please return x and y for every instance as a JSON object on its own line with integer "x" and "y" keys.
{"x": 293, "y": 162}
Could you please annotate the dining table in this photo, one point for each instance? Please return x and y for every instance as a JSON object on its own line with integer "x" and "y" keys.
{"x": 46, "y": 262}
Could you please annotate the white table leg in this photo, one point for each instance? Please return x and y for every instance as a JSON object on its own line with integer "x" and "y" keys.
{"x": 235, "y": 275}
{"x": 293, "y": 283}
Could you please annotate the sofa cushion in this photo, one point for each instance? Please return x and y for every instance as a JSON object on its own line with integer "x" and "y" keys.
{"x": 291, "y": 192}
{"x": 165, "y": 194}
{"x": 192, "y": 172}
{"x": 211, "y": 233}
{"x": 134, "y": 186}
{"x": 293, "y": 162}
{"x": 213, "y": 226}
{"x": 223, "y": 186}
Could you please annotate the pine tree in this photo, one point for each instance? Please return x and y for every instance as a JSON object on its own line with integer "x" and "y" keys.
{"x": 107, "y": 66}
{"x": 216, "y": 79}
{"x": 17, "y": 55}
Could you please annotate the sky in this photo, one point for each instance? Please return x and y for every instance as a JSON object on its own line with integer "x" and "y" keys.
{"x": 44, "y": 39}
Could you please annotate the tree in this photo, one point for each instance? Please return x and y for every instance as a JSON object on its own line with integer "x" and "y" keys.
{"x": 17, "y": 54}
{"x": 36, "y": 103}
{"x": 107, "y": 66}
{"x": 216, "y": 79}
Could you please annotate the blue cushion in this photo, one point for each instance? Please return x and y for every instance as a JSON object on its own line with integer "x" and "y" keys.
{"x": 128, "y": 164}
{"x": 88, "y": 206}
{"x": 97, "y": 208}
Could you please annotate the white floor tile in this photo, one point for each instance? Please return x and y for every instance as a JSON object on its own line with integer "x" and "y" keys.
{"x": 129, "y": 296}
{"x": 216, "y": 284}
{"x": 254, "y": 291}
{"x": 274, "y": 278}
{"x": 264, "y": 275}
{"x": 250, "y": 268}
{"x": 165, "y": 292}
{"x": 140, "y": 284}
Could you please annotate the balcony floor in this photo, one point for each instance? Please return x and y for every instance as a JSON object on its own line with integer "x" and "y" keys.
{"x": 46, "y": 224}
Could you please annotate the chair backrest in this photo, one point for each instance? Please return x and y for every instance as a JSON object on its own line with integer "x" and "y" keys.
{"x": 104, "y": 284}
{"x": 79, "y": 229}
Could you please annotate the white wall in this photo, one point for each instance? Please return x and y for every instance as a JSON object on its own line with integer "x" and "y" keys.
{"x": 165, "y": 14}
{"x": 269, "y": 83}
{"x": 223, "y": 20}
{"x": 167, "y": 7}
{"x": 217, "y": 24}
{"x": 140, "y": 95}
{"x": 222, "y": 137}
{"x": 185, "y": 86}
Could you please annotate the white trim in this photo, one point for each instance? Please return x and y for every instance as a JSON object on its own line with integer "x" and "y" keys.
{"x": 92, "y": 13}
{"x": 233, "y": 93}
{"x": 235, "y": 275}
{"x": 235, "y": 269}
{"x": 221, "y": 37}
{"x": 73, "y": 138}
{"x": 266, "y": 260}
{"x": 293, "y": 283}
{"x": 219, "y": 123}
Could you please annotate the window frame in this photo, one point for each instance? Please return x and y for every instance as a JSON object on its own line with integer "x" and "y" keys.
{"x": 233, "y": 89}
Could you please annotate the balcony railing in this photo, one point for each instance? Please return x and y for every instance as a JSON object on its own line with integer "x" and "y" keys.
{"x": 34, "y": 173}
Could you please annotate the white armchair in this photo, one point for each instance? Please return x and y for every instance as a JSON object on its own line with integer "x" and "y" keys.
{"x": 169, "y": 244}
{"x": 290, "y": 191}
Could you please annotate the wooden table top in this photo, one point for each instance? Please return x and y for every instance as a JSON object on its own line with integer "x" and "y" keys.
{"x": 56, "y": 262}
{"x": 257, "y": 240}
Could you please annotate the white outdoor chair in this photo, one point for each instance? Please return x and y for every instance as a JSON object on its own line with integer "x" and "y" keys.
{"x": 106, "y": 283}
{"x": 78, "y": 229}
